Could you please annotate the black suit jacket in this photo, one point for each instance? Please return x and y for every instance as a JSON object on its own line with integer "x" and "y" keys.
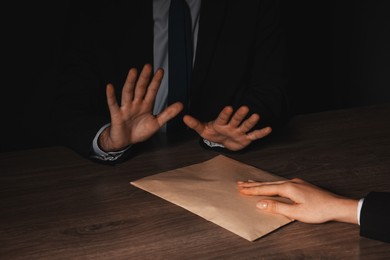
{"x": 239, "y": 61}
{"x": 375, "y": 216}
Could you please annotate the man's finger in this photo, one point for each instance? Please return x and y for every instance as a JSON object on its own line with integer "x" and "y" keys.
{"x": 249, "y": 123}
{"x": 224, "y": 116}
{"x": 169, "y": 113}
{"x": 142, "y": 82}
{"x": 237, "y": 118}
{"x": 260, "y": 133}
{"x": 128, "y": 87}
{"x": 154, "y": 86}
{"x": 111, "y": 99}
{"x": 194, "y": 124}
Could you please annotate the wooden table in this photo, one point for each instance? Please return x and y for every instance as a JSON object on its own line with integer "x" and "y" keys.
{"x": 57, "y": 205}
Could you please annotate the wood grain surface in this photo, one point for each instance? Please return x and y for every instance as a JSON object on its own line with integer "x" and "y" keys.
{"x": 58, "y": 205}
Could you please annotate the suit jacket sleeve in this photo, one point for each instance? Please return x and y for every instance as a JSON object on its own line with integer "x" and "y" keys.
{"x": 101, "y": 43}
{"x": 375, "y": 216}
{"x": 241, "y": 60}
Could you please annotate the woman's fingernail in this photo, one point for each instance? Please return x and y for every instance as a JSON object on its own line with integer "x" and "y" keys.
{"x": 262, "y": 205}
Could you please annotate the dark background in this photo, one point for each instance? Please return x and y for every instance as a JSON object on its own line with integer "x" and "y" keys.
{"x": 339, "y": 53}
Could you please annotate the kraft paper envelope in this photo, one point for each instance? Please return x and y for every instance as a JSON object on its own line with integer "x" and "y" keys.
{"x": 209, "y": 189}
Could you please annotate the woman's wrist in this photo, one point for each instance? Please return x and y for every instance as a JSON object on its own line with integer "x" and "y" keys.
{"x": 346, "y": 210}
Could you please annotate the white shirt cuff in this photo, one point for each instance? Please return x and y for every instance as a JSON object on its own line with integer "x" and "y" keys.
{"x": 359, "y": 208}
{"x": 212, "y": 144}
{"x": 102, "y": 155}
